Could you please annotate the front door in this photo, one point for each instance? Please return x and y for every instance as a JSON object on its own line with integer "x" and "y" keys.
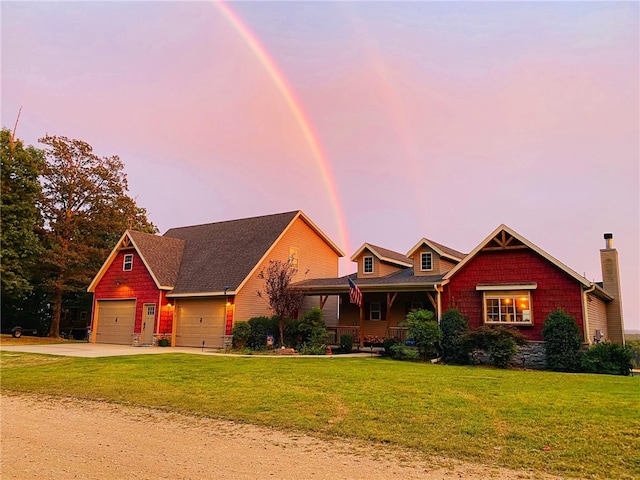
{"x": 148, "y": 321}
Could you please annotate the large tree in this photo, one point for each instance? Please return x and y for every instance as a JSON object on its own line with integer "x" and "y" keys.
{"x": 20, "y": 244}
{"x": 86, "y": 208}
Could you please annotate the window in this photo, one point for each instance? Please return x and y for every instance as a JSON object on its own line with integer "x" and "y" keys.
{"x": 375, "y": 312}
{"x": 151, "y": 310}
{"x": 426, "y": 261}
{"x": 368, "y": 265}
{"x": 508, "y": 307}
{"x": 127, "y": 265}
{"x": 294, "y": 257}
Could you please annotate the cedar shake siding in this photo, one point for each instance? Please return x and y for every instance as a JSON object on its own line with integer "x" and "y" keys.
{"x": 316, "y": 259}
{"x": 555, "y": 288}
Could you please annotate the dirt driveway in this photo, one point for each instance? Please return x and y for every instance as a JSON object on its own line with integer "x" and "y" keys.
{"x": 58, "y": 439}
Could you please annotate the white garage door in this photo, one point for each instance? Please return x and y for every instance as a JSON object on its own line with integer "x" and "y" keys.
{"x": 116, "y": 319}
{"x": 200, "y": 320}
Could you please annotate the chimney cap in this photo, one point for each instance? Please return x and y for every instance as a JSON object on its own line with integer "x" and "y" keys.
{"x": 608, "y": 236}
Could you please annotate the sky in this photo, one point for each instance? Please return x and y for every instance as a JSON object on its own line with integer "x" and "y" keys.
{"x": 385, "y": 122}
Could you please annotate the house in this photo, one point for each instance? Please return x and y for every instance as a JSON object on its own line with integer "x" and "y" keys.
{"x": 193, "y": 283}
{"x": 505, "y": 280}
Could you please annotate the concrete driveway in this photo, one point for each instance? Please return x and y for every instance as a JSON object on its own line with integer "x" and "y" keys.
{"x": 95, "y": 350}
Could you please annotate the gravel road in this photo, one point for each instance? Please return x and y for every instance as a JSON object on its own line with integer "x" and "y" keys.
{"x": 61, "y": 439}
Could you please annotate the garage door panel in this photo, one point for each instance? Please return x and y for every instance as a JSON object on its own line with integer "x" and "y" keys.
{"x": 200, "y": 321}
{"x": 116, "y": 320}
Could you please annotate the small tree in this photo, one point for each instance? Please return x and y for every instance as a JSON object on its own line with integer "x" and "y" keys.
{"x": 283, "y": 299}
{"x": 562, "y": 342}
{"x": 314, "y": 332}
{"x": 453, "y": 326}
{"x": 424, "y": 331}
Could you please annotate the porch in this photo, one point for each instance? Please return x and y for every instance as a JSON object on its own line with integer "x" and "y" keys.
{"x": 337, "y": 331}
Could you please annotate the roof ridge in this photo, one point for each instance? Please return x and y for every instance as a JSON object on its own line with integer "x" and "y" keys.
{"x": 292, "y": 212}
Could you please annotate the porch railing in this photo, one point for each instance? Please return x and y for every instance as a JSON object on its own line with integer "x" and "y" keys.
{"x": 399, "y": 333}
{"x": 336, "y": 332}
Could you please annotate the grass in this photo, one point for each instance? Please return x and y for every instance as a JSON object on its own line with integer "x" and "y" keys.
{"x": 8, "y": 340}
{"x": 566, "y": 424}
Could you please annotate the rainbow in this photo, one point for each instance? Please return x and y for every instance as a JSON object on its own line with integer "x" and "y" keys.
{"x": 296, "y": 109}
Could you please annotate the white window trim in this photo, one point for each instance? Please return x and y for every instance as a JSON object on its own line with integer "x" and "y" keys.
{"x": 430, "y": 256}
{"x": 128, "y": 259}
{"x": 379, "y": 310}
{"x": 364, "y": 264}
{"x": 515, "y": 295}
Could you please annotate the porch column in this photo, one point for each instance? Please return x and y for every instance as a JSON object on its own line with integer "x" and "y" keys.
{"x": 361, "y": 324}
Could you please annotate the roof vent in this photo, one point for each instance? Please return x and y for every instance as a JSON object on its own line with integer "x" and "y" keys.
{"x": 608, "y": 239}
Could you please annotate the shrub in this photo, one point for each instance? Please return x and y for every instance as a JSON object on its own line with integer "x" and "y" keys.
{"x": 562, "y": 342}
{"x": 424, "y": 331}
{"x": 402, "y": 352}
{"x": 454, "y": 326}
{"x": 261, "y": 327}
{"x": 387, "y": 344}
{"x": 499, "y": 342}
{"x": 164, "y": 342}
{"x": 313, "y": 329}
{"x": 609, "y": 358}
{"x": 634, "y": 345}
{"x": 346, "y": 343}
{"x": 241, "y": 333}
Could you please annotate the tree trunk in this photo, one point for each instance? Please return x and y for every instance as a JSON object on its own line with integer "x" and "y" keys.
{"x": 281, "y": 327}
{"x": 54, "y": 330}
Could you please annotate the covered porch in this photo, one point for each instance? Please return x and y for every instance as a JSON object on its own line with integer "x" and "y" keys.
{"x": 386, "y": 301}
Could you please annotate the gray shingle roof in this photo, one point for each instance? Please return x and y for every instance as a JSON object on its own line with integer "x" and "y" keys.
{"x": 390, "y": 254}
{"x": 449, "y": 251}
{"x": 224, "y": 253}
{"x": 162, "y": 254}
{"x": 404, "y": 277}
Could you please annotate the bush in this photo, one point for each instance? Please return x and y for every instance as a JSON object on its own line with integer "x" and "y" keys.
{"x": 609, "y": 358}
{"x": 346, "y": 343}
{"x": 499, "y": 342}
{"x": 424, "y": 331}
{"x": 402, "y": 352}
{"x": 261, "y": 327}
{"x": 313, "y": 330}
{"x": 241, "y": 333}
{"x": 562, "y": 342}
{"x": 634, "y": 345}
{"x": 454, "y": 326}
{"x": 387, "y": 344}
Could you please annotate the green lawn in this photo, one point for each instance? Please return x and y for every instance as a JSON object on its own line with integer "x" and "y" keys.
{"x": 568, "y": 424}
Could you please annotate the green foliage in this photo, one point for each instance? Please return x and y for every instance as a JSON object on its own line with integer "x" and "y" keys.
{"x": 562, "y": 342}
{"x": 261, "y": 328}
{"x": 454, "y": 326}
{"x": 19, "y": 193}
{"x": 424, "y": 331}
{"x": 346, "y": 342}
{"x": 387, "y": 344}
{"x": 400, "y": 351}
{"x": 634, "y": 345}
{"x": 241, "y": 333}
{"x": 313, "y": 330}
{"x": 499, "y": 342}
{"x": 609, "y": 358}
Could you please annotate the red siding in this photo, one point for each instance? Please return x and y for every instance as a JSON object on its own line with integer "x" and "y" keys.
{"x": 136, "y": 284}
{"x": 555, "y": 287}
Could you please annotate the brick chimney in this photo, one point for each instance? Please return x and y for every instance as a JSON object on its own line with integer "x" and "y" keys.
{"x": 611, "y": 284}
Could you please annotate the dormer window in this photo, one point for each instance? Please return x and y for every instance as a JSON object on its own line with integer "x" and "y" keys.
{"x": 127, "y": 264}
{"x": 426, "y": 261}
{"x": 367, "y": 265}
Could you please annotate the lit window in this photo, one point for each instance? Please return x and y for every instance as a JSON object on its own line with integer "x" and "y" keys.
{"x": 368, "y": 265}
{"x": 375, "y": 312}
{"x": 508, "y": 307}
{"x": 127, "y": 265}
{"x": 293, "y": 257}
{"x": 426, "y": 261}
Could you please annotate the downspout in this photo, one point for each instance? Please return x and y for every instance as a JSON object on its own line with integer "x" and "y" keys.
{"x": 438, "y": 289}
{"x": 585, "y": 312}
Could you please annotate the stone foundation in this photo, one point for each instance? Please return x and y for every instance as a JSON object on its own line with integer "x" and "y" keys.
{"x": 530, "y": 356}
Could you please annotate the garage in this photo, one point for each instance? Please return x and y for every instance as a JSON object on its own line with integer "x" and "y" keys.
{"x": 200, "y": 320}
{"x": 115, "y": 321}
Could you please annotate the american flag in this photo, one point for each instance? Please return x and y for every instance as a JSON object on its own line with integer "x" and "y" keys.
{"x": 355, "y": 295}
